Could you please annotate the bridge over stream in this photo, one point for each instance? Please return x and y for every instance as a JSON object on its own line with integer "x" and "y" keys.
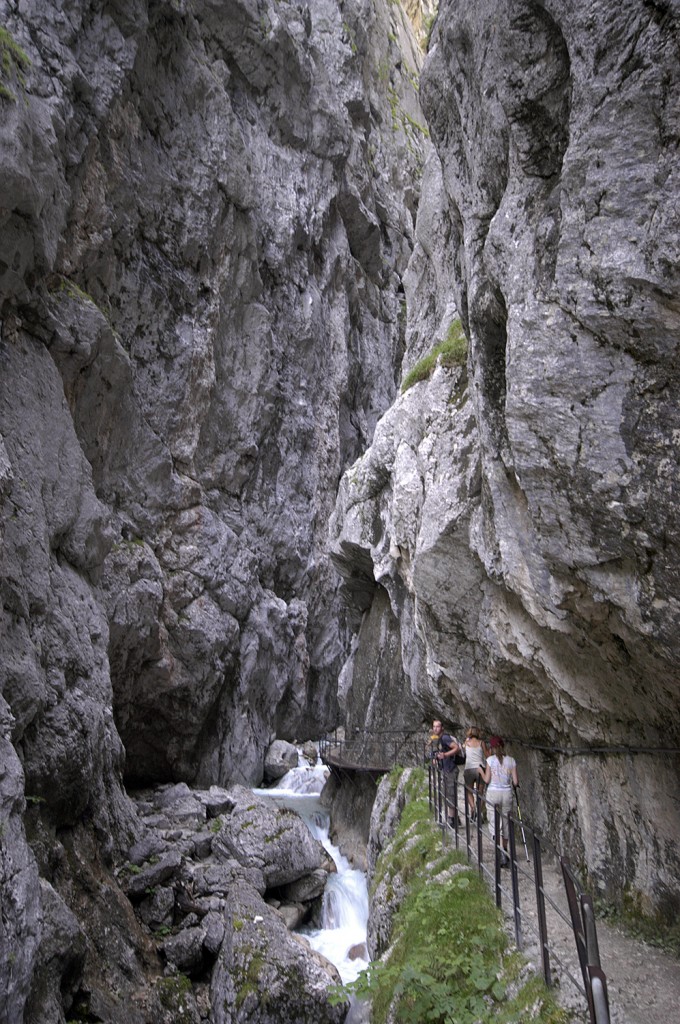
{"x": 363, "y": 751}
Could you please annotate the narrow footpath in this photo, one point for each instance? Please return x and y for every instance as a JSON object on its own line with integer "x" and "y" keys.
{"x": 643, "y": 981}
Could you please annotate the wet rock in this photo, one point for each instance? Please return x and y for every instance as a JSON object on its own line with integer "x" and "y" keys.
{"x": 135, "y": 885}
{"x": 201, "y": 844}
{"x": 263, "y": 971}
{"x": 179, "y": 805}
{"x": 217, "y": 801}
{"x": 293, "y": 914}
{"x": 279, "y": 759}
{"x": 157, "y": 910}
{"x": 305, "y": 889}
{"x": 217, "y": 878}
{"x": 275, "y": 842}
{"x": 185, "y": 950}
{"x": 213, "y": 932}
{"x": 310, "y": 752}
{"x": 151, "y": 845}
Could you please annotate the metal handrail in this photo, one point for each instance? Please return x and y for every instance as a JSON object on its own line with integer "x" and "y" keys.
{"x": 366, "y": 750}
{"x": 581, "y": 917}
{"x": 358, "y": 753}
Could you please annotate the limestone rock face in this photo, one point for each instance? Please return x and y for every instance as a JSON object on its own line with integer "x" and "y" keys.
{"x": 207, "y": 210}
{"x": 521, "y": 521}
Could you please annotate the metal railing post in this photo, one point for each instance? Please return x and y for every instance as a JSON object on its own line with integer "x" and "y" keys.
{"x": 540, "y": 908}
{"x": 497, "y": 854}
{"x": 588, "y": 915}
{"x": 596, "y": 977}
{"x": 438, "y": 786}
{"x": 480, "y": 834}
{"x": 579, "y": 934}
{"x": 598, "y": 988}
{"x": 515, "y": 883}
{"x": 468, "y": 845}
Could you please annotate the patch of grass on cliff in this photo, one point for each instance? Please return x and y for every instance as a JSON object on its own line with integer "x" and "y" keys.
{"x": 13, "y": 61}
{"x": 173, "y": 992}
{"x": 449, "y": 960}
{"x": 452, "y": 351}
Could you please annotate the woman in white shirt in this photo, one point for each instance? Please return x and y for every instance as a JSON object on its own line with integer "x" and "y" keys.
{"x": 500, "y": 776}
{"x": 475, "y": 758}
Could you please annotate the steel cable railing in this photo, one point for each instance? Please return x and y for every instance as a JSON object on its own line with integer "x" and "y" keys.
{"x": 579, "y": 918}
{"x": 364, "y": 750}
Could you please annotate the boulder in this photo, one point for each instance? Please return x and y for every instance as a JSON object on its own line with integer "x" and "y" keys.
{"x": 279, "y": 759}
{"x": 305, "y": 889}
{"x": 293, "y": 914}
{"x": 264, "y": 972}
{"x": 185, "y": 950}
{"x": 135, "y": 884}
{"x": 273, "y": 841}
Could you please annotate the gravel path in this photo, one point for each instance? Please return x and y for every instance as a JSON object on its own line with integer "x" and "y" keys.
{"x": 643, "y": 982}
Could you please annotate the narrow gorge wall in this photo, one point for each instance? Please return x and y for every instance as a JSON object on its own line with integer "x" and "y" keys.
{"x": 207, "y": 208}
{"x": 521, "y": 514}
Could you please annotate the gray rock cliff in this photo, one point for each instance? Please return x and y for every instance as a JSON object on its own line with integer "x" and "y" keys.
{"x": 207, "y": 211}
{"x": 224, "y": 241}
{"x": 520, "y": 515}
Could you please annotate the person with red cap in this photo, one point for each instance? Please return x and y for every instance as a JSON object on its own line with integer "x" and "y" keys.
{"x": 500, "y": 776}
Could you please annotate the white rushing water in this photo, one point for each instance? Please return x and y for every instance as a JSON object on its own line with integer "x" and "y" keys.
{"x": 345, "y": 901}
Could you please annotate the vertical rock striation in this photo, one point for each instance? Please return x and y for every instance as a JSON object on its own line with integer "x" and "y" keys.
{"x": 207, "y": 210}
{"x": 521, "y": 517}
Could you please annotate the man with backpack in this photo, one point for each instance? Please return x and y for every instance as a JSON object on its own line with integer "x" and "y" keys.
{"x": 448, "y": 754}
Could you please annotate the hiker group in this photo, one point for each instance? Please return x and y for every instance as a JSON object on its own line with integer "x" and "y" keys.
{"x": 488, "y": 772}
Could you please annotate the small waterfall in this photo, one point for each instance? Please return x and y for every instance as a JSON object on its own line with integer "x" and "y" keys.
{"x": 342, "y": 935}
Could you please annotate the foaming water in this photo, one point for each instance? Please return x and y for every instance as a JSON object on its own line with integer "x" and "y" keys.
{"x": 342, "y": 935}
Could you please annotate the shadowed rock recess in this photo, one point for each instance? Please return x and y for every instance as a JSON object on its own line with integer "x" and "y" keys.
{"x": 225, "y": 238}
{"x": 521, "y": 514}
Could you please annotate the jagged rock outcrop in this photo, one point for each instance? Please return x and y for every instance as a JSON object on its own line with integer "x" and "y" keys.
{"x": 385, "y": 898}
{"x": 214, "y": 877}
{"x": 187, "y": 213}
{"x": 521, "y": 521}
{"x": 207, "y": 209}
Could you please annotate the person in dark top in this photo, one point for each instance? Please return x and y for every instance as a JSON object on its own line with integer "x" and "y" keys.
{"x": 447, "y": 746}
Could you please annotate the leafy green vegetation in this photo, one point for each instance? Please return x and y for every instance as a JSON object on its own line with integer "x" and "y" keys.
{"x": 449, "y": 960}
{"x": 173, "y": 993}
{"x": 13, "y": 61}
{"x": 452, "y": 351}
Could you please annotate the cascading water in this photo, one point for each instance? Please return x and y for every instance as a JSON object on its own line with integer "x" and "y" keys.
{"x": 342, "y": 935}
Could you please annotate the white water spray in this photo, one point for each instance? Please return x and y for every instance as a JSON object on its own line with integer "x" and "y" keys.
{"x": 342, "y": 935}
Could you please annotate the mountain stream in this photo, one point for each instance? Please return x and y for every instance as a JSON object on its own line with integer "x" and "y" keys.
{"x": 342, "y": 935}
